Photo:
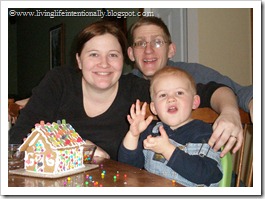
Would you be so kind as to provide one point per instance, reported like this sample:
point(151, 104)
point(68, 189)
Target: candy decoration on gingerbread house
point(53, 148)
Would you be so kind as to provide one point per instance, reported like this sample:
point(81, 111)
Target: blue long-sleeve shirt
point(200, 170)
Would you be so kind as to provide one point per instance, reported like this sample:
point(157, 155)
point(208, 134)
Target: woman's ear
point(78, 61)
point(196, 101)
point(152, 108)
point(171, 50)
point(130, 53)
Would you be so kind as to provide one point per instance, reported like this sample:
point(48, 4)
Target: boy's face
point(150, 59)
point(173, 100)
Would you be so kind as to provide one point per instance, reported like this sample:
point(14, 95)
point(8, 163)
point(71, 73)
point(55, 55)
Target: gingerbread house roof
point(58, 135)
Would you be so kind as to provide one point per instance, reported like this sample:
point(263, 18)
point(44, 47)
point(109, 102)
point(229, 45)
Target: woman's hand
point(99, 151)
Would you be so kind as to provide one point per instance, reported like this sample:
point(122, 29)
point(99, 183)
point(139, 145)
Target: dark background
point(29, 50)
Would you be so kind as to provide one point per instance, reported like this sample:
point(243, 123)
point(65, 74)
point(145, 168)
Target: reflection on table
point(116, 174)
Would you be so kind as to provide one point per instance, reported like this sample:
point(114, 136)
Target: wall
point(224, 42)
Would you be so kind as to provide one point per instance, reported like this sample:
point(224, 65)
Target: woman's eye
point(93, 55)
point(113, 55)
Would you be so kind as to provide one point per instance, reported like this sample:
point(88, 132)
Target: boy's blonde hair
point(167, 70)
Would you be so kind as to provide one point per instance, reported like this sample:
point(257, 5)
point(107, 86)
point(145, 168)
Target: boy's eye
point(180, 93)
point(162, 95)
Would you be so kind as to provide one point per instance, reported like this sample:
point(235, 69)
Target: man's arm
point(227, 129)
point(203, 74)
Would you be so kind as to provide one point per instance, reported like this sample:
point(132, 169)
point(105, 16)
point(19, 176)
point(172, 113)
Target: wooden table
point(126, 176)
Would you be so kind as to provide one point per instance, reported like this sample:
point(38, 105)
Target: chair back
point(208, 115)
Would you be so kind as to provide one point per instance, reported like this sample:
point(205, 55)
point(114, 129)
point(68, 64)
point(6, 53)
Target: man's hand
point(227, 131)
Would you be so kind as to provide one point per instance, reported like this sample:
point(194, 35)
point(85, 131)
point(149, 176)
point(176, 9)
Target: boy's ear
point(152, 108)
point(130, 53)
point(196, 101)
point(171, 50)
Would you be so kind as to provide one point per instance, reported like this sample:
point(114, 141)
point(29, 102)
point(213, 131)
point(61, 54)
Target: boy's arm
point(137, 125)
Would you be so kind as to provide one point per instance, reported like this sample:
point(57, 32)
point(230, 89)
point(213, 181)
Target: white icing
point(31, 160)
point(49, 161)
point(34, 139)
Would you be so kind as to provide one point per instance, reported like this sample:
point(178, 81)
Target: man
point(151, 48)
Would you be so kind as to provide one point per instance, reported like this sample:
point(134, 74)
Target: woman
point(94, 98)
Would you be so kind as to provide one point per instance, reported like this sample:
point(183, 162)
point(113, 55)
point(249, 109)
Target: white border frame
point(255, 190)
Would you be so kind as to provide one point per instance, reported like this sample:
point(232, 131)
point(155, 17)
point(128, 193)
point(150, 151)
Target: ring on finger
point(233, 136)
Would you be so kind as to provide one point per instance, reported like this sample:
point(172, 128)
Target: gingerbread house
point(53, 148)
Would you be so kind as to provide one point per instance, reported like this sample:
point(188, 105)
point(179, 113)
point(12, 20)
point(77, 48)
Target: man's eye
point(140, 43)
point(158, 42)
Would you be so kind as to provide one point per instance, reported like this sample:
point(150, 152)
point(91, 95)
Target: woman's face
point(101, 61)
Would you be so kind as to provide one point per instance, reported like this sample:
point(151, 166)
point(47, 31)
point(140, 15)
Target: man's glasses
point(154, 43)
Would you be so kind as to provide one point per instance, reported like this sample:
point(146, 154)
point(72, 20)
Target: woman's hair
point(168, 70)
point(100, 28)
point(150, 21)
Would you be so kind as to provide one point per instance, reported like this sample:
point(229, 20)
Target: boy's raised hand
point(137, 118)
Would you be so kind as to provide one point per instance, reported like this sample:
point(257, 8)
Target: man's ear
point(196, 101)
point(152, 108)
point(78, 61)
point(130, 53)
point(171, 50)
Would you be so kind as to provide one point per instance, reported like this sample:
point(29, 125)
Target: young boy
point(180, 152)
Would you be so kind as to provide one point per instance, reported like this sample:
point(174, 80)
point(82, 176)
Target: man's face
point(149, 59)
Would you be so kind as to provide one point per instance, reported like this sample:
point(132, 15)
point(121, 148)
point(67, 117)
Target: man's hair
point(168, 70)
point(150, 21)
